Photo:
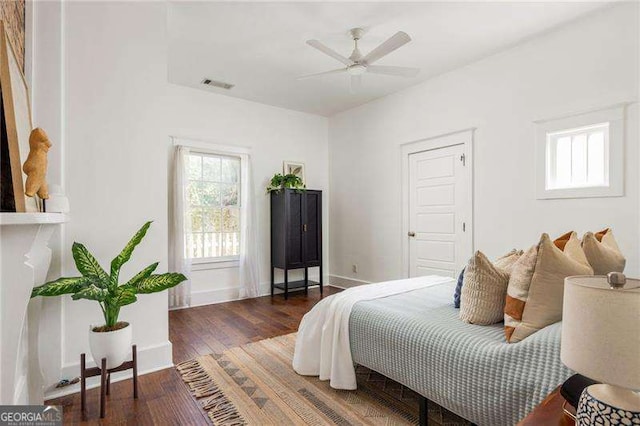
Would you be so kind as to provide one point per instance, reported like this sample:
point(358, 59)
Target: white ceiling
point(260, 47)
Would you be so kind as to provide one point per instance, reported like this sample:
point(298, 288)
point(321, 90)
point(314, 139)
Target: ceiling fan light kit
point(357, 65)
point(356, 69)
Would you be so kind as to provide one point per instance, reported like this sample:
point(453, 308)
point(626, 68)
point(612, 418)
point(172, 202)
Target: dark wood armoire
point(296, 236)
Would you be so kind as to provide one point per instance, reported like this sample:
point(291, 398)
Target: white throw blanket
point(322, 345)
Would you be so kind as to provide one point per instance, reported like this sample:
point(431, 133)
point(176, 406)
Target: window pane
point(194, 166)
point(212, 245)
point(596, 159)
point(196, 219)
point(194, 245)
point(231, 244)
point(212, 206)
point(194, 193)
point(563, 162)
point(210, 194)
point(229, 195)
point(231, 220)
point(579, 159)
point(212, 220)
point(230, 170)
point(211, 168)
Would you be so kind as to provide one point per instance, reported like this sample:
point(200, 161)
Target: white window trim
point(615, 116)
point(222, 262)
point(212, 148)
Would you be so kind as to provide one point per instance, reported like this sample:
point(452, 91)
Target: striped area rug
point(255, 385)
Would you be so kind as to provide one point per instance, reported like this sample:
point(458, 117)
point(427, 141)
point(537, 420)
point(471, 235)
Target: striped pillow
point(536, 285)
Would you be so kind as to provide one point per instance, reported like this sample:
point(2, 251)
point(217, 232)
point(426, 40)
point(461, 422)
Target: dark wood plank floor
point(164, 399)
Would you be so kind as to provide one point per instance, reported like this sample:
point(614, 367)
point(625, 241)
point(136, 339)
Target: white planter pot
point(113, 345)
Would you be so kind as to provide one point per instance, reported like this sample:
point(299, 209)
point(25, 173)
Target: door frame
point(464, 137)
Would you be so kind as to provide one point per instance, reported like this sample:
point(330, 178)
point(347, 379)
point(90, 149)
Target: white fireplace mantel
point(24, 261)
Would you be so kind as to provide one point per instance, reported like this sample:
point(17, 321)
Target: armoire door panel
point(311, 235)
point(294, 228)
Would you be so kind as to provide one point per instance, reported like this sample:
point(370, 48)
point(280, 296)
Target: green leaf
point(125, 295)
point(126, 253)
point(156, 283)
point(88, 265)
point(92, 293)
point(65, 285)
point(145, 273)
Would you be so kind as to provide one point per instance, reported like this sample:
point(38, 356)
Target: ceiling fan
point(357, 64)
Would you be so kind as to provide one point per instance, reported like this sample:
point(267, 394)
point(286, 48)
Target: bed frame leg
point(424, 414)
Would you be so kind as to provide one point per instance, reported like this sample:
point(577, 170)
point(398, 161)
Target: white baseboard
point(345, 282)
point(150, 359)
point(210, 297)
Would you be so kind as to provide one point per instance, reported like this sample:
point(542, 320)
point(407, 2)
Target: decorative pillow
point(508, 261)
point(536, 286)
point(484, 288)
point(456, 294)
point(505, 262)
point(562, 240)
point(603, 253)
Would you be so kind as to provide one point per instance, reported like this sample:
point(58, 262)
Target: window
point(578, 158)
point(213, 203)
point(581, 156)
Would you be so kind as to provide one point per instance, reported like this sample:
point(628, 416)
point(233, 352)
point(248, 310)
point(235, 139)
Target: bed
point(417, 339)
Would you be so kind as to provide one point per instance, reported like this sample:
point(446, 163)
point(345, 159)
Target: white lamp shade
point(601, 330)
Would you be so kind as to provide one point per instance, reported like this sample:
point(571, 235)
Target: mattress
point(417, 339)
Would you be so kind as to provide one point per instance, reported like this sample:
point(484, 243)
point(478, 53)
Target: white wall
point(587, 64)
point(118, 112)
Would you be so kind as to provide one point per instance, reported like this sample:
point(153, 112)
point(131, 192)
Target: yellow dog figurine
point(36, 165)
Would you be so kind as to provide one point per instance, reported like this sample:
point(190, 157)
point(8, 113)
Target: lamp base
point(608, 405)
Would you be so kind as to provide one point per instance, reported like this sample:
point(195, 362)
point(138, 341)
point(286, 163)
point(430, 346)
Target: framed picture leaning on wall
point(15, 128)
point(294, 168)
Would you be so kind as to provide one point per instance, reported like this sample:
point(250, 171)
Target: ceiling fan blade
point(318, 74)
point(397, 40)
point(397, 71)
point(356, 83)
point(328, 51)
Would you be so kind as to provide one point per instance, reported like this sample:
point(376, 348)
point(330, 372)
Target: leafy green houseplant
point(279, 182)
point(98, 285)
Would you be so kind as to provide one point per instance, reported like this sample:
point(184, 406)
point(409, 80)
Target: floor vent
point(215, 83)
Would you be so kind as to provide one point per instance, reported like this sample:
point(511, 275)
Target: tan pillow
point(536, 286)
point(507, 261)
point(603, 253)
point(485, 287)
point(562, 240)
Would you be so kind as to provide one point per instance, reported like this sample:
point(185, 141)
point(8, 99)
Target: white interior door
point(439, 241)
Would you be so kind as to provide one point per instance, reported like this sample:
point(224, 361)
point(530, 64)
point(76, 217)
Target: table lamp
point(601, 340)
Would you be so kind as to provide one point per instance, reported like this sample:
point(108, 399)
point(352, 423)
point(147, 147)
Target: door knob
point(411, 234)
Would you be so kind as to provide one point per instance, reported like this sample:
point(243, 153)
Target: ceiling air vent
point(215, 83)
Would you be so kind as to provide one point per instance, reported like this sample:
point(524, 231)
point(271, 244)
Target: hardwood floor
point(164, 399)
